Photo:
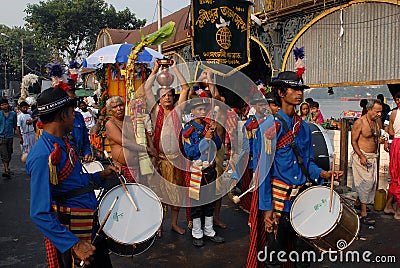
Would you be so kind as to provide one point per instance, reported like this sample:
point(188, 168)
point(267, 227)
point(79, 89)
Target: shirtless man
point(365, 138)
point(129, 150)
point(166, 120)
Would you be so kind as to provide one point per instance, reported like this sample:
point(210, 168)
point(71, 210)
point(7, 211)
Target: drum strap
point(75, 192)
point(296, 151)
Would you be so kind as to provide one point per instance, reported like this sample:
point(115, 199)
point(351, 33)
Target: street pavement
point(21, 243)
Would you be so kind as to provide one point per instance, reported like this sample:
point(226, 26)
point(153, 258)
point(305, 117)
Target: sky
point(12, 12)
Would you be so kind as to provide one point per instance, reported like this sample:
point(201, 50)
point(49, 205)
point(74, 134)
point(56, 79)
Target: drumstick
point(332, 179)
point(122, 182)
point(102, 224)
point(236, 199)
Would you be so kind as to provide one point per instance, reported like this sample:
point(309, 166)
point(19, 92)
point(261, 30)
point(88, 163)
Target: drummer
point(58, 184)
point(269, 209)
point(250, 127)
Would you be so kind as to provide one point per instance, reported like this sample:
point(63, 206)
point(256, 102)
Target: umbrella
point(119, 54)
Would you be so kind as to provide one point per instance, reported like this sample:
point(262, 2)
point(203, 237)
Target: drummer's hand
point(83, 250)
point(109, 172)
point(88, 158)
point(269, 218)
point(328, 174)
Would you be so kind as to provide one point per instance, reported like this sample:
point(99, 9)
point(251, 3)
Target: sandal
point(367, 221)
point(5, 174)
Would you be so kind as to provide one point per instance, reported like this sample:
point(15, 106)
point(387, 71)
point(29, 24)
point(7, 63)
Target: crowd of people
point(275, 136)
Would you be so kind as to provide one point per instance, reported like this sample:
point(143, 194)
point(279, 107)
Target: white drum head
point(310, 216)
point(126, 225)
point(92, 167)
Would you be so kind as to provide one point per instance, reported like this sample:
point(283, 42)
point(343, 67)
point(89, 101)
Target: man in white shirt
point(26, 131)
point(89, 114)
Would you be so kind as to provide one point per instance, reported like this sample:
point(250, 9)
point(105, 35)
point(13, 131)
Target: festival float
point(120, 70)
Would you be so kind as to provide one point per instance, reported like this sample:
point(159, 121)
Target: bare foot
point(178, 229)
point(389, 211)
point(397, 216)
point(220, 224)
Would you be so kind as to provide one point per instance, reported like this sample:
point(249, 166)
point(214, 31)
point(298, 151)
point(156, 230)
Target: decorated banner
point(221, 32)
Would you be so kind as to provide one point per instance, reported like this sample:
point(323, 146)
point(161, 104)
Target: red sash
point(288, 137)
point(69, 166)
point(254, 124)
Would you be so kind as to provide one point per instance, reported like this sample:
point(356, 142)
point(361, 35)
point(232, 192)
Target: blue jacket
point(285, 167)
point(247, 157)
point(197, 147)
point(81, 136)
point(42, 191)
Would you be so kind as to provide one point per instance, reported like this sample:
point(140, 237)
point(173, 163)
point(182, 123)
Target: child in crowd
point(304, 111)
point(316, 115)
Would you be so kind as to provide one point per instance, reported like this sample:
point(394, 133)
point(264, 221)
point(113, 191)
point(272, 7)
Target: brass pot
point(164, 78)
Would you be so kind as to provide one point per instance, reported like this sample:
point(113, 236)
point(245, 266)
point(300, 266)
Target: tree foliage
point(35, 57)
point(70, 27)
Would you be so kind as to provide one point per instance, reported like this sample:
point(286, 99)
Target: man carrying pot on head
point(166, 118)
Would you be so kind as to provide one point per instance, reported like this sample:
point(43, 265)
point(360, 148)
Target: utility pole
point(22, 58)
point(5, 74)
point(159, 21)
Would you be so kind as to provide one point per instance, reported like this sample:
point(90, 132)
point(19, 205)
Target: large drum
point(326, 230)
point(131, 232)
point(322, 147)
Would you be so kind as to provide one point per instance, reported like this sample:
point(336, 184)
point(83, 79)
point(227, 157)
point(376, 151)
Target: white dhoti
point(365, 178)
point(29, 140)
